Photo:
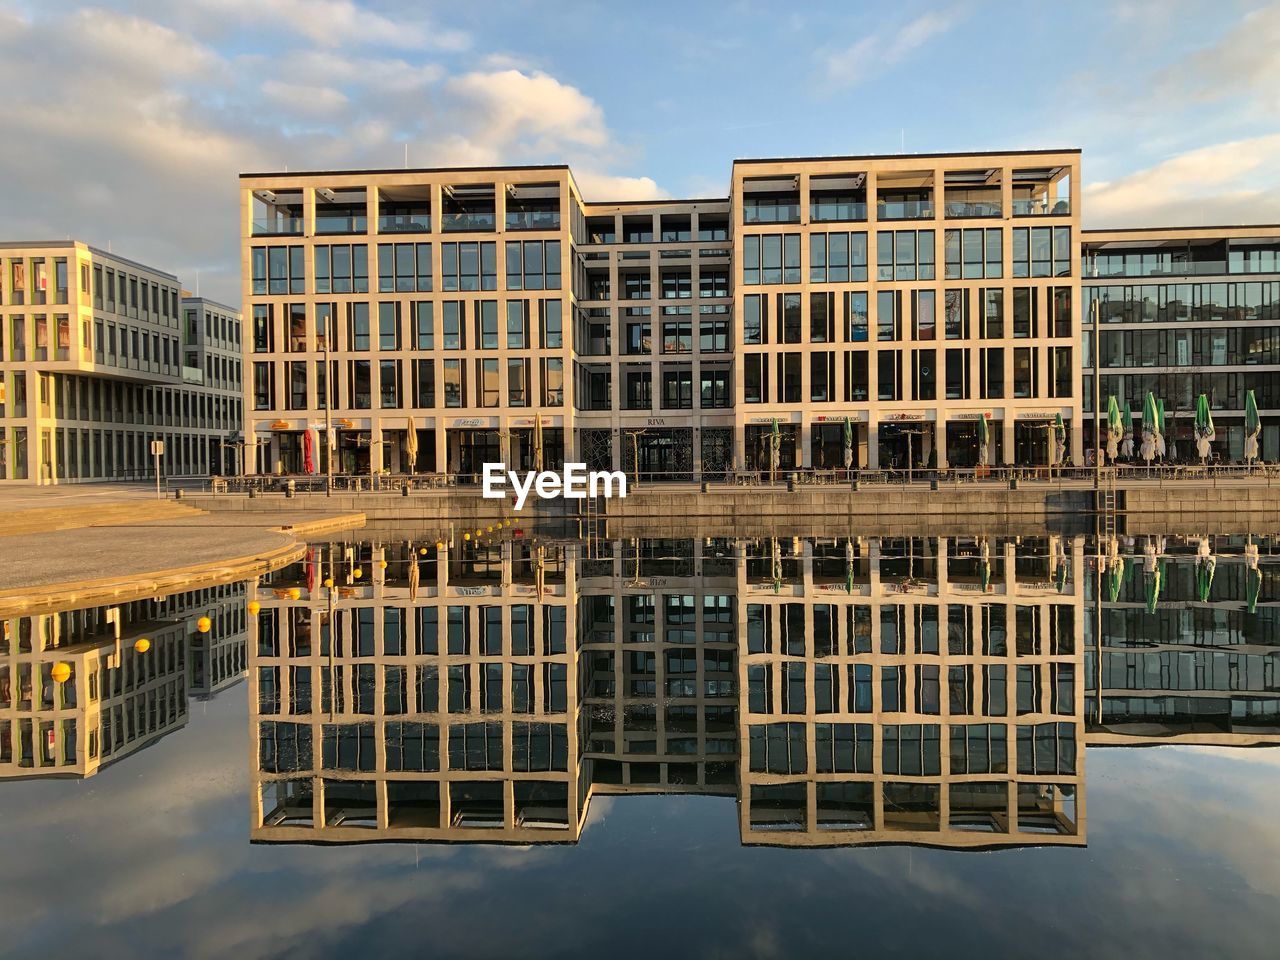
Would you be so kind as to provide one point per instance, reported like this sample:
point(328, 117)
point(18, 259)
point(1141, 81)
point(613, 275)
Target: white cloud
point(334, 23)
point(1233, 182)
point(603, 186)
point(884, 48)
point(1243, 63)
point(305, 98)
point(528, 106)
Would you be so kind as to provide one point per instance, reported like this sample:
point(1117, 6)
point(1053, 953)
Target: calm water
point(706, 747)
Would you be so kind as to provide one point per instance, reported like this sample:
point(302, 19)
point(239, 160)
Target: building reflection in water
point(119, 695)
point(925, 690)
point(1190, 642)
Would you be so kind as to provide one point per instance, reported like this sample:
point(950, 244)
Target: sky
point(126, 122)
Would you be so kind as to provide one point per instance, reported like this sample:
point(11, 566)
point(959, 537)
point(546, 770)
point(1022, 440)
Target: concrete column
point(872, 461)
point(804, 437)
point(940, 441)
point(442, 451)
point(1007, 436)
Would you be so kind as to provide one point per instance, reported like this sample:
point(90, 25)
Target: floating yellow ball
point(61, 672)
point(382, 564)
point(479, 532)
point(439, 546)
point(294, 593)
point(204, 624)
point(142, 645)
point(466, 536)
point(328, 582)
point(254, 607)
point(358, 572)
point(422, 551)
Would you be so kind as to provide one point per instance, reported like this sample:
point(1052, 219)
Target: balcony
point(404, 223)
point(533, 219)
point(278, 226)
point(339, 223)
point(918, 209)
point(404, 209)
point(1042, 192)
point(837, 210)
point(479, 222)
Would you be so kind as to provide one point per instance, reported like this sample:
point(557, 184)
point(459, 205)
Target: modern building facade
point(93, 366)
point(910, 295)
point(1181, 312)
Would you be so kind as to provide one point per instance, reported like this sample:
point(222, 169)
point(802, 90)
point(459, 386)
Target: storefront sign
point(986, 415)
point(1037, 415)
point(902, 417)
point(473, 422)
point(280, 425)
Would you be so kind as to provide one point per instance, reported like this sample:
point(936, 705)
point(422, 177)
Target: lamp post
point(1097, 392)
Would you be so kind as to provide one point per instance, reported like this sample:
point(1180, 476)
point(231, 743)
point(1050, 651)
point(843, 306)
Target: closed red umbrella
point(308, 452)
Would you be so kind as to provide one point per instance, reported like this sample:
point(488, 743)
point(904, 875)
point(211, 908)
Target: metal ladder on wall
point(590, 526)
point(1108, 507)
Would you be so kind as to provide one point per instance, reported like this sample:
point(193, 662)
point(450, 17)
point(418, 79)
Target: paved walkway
point(91, 545)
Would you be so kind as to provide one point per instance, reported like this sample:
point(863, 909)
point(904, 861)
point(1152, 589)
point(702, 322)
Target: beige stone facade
point(94, 365)
point(910, 295)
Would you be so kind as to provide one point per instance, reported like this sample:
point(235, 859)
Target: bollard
point(1013, 483)
point(404, 491)
point(177, 494)
point(791, 484)
point(290, 488)
point(933, 484)
point(704, 486)
point(853, 484)
point(253, 493)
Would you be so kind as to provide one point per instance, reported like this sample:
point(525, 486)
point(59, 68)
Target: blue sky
point(127, 120)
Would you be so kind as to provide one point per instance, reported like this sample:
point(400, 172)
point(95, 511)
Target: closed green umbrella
point(1119, 567)
point(1126, 443)
point(1059, 437)
point(1203, 427)
point(1150, 427)
point(1154, 583)
point(1160, 426)
point(1252, 587)
point(984, 440)
point(848, 443)
point(1252, 427)
point(984, 568)
point(775, 448)
point(848, 566)
point(1115, 428)
point(1060, 580)
point(1204, 577)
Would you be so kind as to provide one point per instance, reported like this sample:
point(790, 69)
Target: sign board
point(157, 448)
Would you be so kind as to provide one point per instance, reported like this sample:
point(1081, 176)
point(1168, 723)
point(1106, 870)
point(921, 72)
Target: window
point(358, 326)
point(469, 266)
point(857, 318)
point(789, 323)
point(533, 265)
point(1025, 318)
point(553, 381)
point(992, 314)
point(715, 388)
point(551, 324)
point(771, 258)
point(838, 257)
point(404, 267)
point(677, 284)
point(905, 255)
point(342, 268)
point(423, 325)
point(453, 325)
point(924, 314)
point(974, 254)
point(755, 318)
point(713, 282)
point(487, 324)
point(888, 305)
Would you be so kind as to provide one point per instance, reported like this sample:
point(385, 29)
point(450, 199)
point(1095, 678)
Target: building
point(1185, 311)
point(469, 304)
point(212, 344)
point(94, 365)
point(842, 690)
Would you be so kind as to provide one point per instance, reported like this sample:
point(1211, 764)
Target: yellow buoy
point(439, 545)
point(294, 593)
point(142, 645)
point(489, 529)
point(382, 564)
point(358, 572)
point(479, 531)
point(466, 536)
point(204, 624)
point(328, 582)
point(254, 607)
point(422, 551)
point(61, 672)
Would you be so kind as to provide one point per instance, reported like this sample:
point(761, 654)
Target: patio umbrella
point(776, 564)
point(1160, 441)
point(1060, 580)
point(309, 444)
point(537, 442)
point(1115, 428)
point(984, 566)
point(984, 440)
point(848, 443)
point(1129, 424)
point(415, 575)
point(1252, 575)
point(1059, 437)
point(1203, 427)
point(1252, 427)
point(775, 446)
point(411, 446)
point(1206, 564)
point(1119, 567)
point(848, 566)
point(1154, 582)
point(1150, 427)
